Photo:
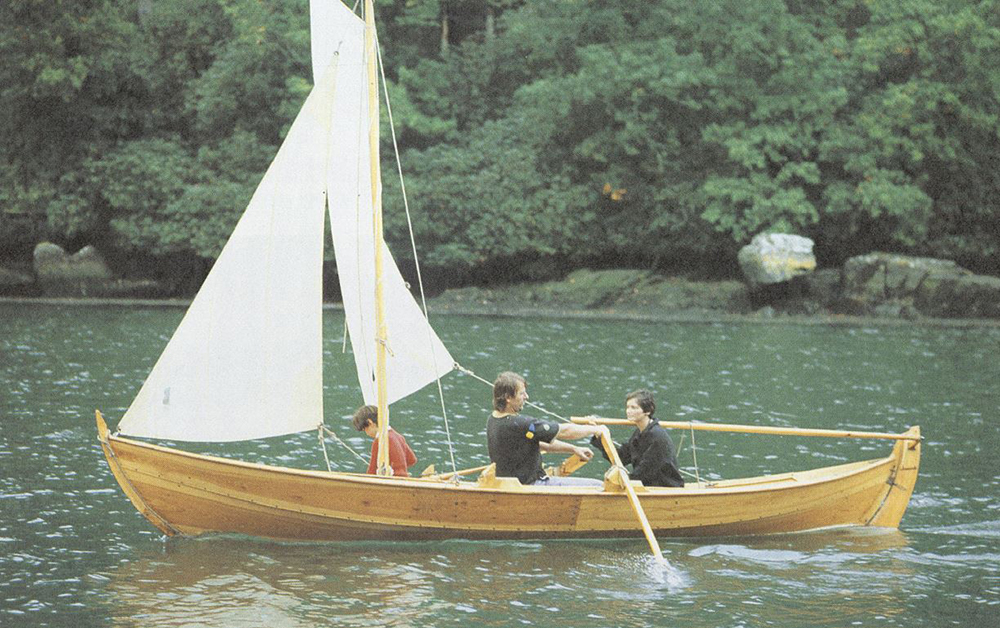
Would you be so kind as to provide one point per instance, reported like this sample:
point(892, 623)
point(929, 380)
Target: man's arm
point(572, 431)
point(558, 446)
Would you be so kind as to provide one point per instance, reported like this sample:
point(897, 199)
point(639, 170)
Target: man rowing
point(516, 441)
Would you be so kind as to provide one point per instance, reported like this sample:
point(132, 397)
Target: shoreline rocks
point(886, 284)
point(773, 258)
point(878, 285)
point(82, 274)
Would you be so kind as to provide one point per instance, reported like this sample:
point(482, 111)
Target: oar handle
point(752, 429)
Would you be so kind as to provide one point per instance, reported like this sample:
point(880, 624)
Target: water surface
point(74, 551)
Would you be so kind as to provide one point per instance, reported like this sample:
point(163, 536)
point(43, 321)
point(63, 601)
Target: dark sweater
point(651, 454)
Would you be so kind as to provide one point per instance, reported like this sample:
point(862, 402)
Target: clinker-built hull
point(189, 494)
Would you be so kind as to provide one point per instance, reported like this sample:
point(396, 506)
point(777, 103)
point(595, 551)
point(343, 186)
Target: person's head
point(639, 403)
point(509, 392)
point(365, 420)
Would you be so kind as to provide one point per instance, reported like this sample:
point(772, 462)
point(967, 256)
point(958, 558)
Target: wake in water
point(982, 529)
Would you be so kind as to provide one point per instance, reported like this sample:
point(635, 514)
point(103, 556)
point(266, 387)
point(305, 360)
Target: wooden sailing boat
point(246, 363)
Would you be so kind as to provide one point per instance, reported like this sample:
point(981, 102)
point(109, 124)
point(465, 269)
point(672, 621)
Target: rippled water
point(73, 551)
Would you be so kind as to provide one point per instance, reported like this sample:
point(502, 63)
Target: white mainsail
point(246, 360)
point(416, 355)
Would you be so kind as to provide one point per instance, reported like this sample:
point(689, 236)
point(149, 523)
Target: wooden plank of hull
point(199, 494)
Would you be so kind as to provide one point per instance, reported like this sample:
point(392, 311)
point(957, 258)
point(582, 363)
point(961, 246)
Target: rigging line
point(416, 261)
point(346, 446)
point(322, 443)
point(694, 454)
point(680, 448)
point(462, 369)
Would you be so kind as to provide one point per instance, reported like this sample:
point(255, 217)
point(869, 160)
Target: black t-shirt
point(513, 444)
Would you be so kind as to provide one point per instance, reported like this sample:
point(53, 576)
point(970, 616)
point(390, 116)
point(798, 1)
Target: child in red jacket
point(401, 457)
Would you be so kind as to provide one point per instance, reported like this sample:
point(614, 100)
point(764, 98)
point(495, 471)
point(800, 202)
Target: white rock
point(776, 257)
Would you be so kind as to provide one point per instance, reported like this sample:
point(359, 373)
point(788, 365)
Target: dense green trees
point(536, 135)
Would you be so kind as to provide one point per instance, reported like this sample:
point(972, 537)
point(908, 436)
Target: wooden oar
point(623, 481)
point(568, 466)
point(449, 475)
point(751, 429)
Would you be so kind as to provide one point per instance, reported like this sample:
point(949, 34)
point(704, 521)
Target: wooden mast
point(371, 58)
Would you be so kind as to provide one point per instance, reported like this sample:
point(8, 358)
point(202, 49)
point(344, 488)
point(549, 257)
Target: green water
point(73, 551)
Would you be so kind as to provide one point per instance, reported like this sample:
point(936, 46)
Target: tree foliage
point(553, 132)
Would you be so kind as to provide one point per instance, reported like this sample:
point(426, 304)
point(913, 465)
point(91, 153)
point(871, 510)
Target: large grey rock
point(84, 274)
point(882, 283)
point(878, 277)
point(964, 296)
point(772, 258)
point(52, 264)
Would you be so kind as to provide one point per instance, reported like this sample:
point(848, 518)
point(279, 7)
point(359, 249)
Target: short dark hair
point(645, 400)
point(504, 388)
point(363, 416)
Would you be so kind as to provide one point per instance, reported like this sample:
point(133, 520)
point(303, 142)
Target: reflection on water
point(225, 581)
point(73, 551)
point(392, 584)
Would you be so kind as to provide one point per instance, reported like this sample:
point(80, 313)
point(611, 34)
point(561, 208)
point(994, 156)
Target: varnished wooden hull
point(189, 494)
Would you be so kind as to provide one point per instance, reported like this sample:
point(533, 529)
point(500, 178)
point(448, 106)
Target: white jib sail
point(416, 355)
point(246, 360)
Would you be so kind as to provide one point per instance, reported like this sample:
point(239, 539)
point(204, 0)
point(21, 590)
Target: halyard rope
point(694, 454)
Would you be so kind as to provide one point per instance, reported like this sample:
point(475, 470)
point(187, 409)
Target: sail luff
point(383, 467)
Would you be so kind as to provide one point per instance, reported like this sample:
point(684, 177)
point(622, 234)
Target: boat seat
point(488, 479)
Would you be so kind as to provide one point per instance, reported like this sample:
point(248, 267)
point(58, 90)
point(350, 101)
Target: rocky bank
point(880, 285)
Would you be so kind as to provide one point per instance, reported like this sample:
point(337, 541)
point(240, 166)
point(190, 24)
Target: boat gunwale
point(752, 484)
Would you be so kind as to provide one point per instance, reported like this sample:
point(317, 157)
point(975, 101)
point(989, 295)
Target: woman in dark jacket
point(649, 449)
